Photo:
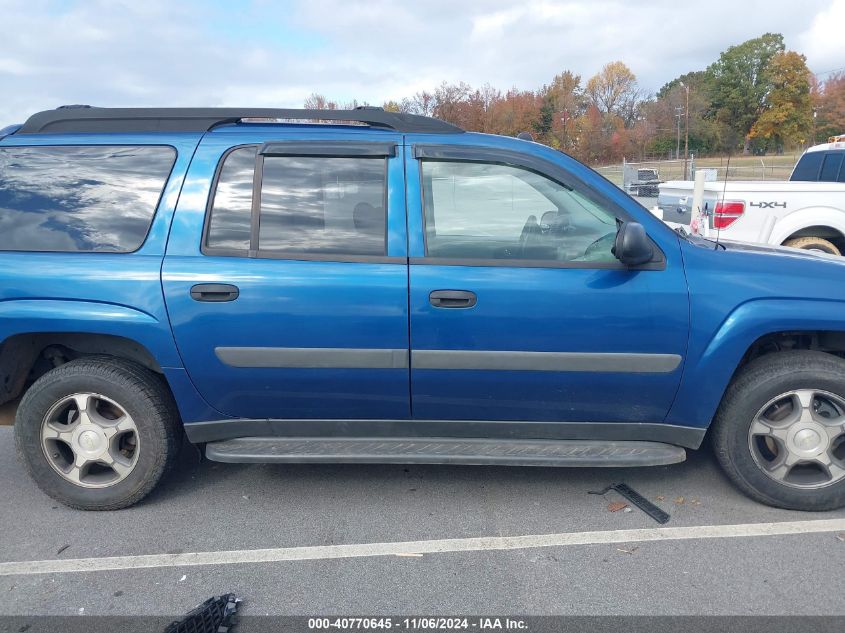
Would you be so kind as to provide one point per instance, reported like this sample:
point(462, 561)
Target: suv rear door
point(293, 303)
point(519, 311)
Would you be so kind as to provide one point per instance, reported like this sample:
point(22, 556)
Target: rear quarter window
point(808, 167)
point(80, 198)
point(830, 166)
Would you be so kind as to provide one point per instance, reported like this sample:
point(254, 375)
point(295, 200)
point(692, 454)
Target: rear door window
point(309, 206)
point(80, 198)
point(323, 205)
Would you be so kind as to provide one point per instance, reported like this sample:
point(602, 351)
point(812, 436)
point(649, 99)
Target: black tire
point(140, 392)
point(755, 385)
point(813, 244)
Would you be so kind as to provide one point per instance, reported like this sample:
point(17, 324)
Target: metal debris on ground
point(637, 499)
point(215, 615)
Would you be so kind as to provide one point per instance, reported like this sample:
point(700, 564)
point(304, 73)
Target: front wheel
point(779, 433)
point(97, 433)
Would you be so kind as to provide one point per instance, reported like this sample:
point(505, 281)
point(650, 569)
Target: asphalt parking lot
point(786, 563)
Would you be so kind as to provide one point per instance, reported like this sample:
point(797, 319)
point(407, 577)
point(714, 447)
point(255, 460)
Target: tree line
point(757, 97)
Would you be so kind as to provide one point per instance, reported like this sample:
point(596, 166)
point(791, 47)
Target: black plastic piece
point(9, 130)
point(637, 499)
point(213, 430)
point(215, 615)
point(632, 246)
point(328, 148)
point(452, 298)
point(525, 136)
point(214, 292)
point(93, 120)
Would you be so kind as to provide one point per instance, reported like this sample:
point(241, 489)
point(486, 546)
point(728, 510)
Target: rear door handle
point(214, 292)
point(452, 298)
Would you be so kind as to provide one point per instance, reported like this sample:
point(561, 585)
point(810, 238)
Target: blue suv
point(367, 286)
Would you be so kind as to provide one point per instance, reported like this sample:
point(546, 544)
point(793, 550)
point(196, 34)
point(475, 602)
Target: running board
point(443, 451)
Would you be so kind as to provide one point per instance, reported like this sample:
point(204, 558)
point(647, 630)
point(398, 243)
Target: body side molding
point(545, 361)
point(313, 357)
point(349, 358)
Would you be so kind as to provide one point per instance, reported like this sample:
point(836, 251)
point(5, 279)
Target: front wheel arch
point(762, 381)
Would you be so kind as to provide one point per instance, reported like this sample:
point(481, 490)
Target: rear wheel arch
point(25, 357)
point(818, 237)
point(825, 222)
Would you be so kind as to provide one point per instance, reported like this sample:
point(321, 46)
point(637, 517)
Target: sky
point(277, 53)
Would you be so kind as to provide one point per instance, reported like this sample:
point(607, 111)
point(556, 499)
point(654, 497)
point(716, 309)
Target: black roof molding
point(86, 119)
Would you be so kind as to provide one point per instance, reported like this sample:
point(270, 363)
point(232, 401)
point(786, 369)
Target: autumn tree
point(829, 105)
point(738, 84)
point(659, 126)
point(787, 117)
point(517, 111)
point(614, 91)
point(563, 103)
point(451, 103)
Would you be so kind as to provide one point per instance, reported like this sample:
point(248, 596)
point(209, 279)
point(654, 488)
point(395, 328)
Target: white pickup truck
point(807, 211)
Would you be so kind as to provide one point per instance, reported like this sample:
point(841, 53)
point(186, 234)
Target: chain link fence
point(641, 179)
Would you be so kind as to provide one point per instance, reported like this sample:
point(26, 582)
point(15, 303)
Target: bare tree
point(319, 102)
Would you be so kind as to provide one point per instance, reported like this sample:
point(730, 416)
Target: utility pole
point(679, 111)
point(564, 118)
point(686, 133)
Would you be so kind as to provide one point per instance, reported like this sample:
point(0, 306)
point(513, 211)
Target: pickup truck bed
point(763, 212)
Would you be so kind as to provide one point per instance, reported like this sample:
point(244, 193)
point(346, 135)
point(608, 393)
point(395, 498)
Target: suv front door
point(519, 310)
point(294, 302)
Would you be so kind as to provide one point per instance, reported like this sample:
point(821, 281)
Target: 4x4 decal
point(769, 205)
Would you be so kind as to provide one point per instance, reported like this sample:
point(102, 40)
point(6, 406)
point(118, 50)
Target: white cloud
point(824, 42)
point(159, 52)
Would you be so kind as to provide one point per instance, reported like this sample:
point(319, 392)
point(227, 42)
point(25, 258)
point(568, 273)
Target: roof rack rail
point(90, 119)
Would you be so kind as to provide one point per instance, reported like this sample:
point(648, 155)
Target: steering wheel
point(531, 233)
point(531, 227)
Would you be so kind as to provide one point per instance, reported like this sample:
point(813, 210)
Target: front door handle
point(214, 292)
point(452, 298)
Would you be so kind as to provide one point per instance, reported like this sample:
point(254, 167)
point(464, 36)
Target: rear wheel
point(779, 433)
point(97, 433)
point(817, 244)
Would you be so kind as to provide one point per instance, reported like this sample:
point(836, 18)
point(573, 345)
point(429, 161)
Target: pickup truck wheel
point(97, 433)
point(818, 244)
point(779, 433)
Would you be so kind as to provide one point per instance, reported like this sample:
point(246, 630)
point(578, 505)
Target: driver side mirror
point(632, 246)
